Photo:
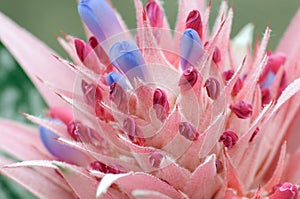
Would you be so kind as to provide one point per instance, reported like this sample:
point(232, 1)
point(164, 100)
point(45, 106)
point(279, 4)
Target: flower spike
point(127, 58)
point(100, 18)
point(190, 48)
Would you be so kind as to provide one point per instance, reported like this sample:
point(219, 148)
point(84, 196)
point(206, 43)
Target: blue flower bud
point(268, 81)
point(114, 77)
point(99, 18)
point(127, 58)
point(57, 149)
point(190, 48)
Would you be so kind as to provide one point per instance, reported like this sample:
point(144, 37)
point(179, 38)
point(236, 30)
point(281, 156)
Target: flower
point(156, 115)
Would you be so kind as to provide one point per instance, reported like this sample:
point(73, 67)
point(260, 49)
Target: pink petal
point(174, 174)
point(128, 164)
point(260, 61)
point(21, 141)
point(145, 194)
point(232, 176)
point(292, 172)
point(36, 59)
point(79, 180)
point(290, 40)
point(167, 132)
point(137, 181)
point(277, 174)
point(212, 135)
point(36, 182)
point(204, 182)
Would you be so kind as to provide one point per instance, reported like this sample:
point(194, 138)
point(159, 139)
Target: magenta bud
point(98, 166)
point(237, 87)
point(133, 132)
point(187, 130)
point(227, 75)
point(265, 96)
point(229, 138)
point(155, 14)
point(119, 97)
point(188, 79)
point(212, 86)
point(115, 169)
point(194, 21)
point(285, 190)
point(93, 42)
point(82, 49)
point(242, 109)
point(155, 159)
point(275, 61)
point(161, 104)
point(217, 55)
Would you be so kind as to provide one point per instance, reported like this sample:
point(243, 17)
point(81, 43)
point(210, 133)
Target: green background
point(45, 19)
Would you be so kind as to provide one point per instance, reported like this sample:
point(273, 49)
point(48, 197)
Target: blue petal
point(59, 150)
point(268, 81)
point(127, 58)
point(190, 48)
point(99, 18)
point(113, 77)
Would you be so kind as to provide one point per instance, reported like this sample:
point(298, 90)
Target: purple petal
point(100, 18)
point(57, 149)
point(127, 58)
point(190, 48)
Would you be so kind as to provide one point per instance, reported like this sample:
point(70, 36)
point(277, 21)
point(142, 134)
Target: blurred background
point(45, 19)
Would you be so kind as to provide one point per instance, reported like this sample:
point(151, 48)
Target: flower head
point(152, 115)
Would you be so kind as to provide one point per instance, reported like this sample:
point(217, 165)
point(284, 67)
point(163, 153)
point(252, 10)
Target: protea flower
point(151, 114)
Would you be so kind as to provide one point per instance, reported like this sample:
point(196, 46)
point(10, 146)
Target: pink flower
point(156, 115)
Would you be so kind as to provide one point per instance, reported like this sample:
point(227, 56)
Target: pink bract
point(226, 127)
